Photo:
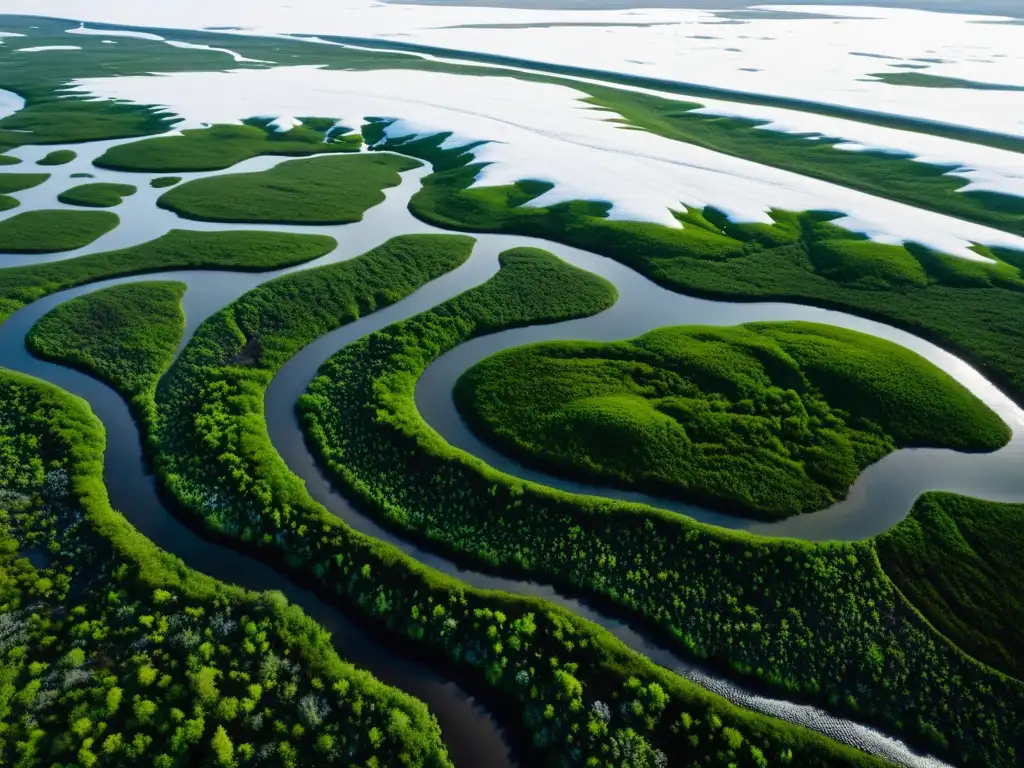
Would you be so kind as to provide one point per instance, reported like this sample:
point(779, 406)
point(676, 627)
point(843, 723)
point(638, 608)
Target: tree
point(222, 747)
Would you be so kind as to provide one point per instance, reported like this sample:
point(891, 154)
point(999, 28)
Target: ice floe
point(545, 132)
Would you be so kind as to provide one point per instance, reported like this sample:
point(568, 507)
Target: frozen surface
point(9, 103)
point(542, 131)
point(986, 168)
point(83, 30)
point(41, 48)
point(196, 47)
point(284, 123)
point(766, 53)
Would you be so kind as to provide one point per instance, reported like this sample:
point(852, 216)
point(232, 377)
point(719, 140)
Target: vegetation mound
point(99, 195)
point(768, 419)
point(16, 182)
point(58, 157)
point(178, 249)
point(125, 335)
point(164, 181)
point(318, 190)
point(958, 561)
point(53, 231)
point(221, 146)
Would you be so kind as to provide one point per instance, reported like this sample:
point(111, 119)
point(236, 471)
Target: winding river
point(881, 497)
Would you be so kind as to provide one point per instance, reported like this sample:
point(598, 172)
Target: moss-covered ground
point(766, 419)
point(99, 195)
point(958, 561)
point(318, 190)
point(125, 335)
point(54, 231)
point(178, 249)
point(221, 146)
point(58, 157)
point(163, 182)
point(114, 653)
point(16, 182)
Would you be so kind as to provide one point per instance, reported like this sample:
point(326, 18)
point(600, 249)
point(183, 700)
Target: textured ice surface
point(767, 55)
point(545, 132)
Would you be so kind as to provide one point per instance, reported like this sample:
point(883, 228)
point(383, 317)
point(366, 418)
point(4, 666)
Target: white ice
point(284, 123)
point(986, 168)
point(196, 47)
point(41, 48)
point(545, 132)
point(764, 56)
point(9, 103)
point(83, 30)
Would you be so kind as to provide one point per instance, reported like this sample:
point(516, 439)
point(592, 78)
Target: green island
point(8, 160)
point(178, 249)
point(58, 157)
point(924, 80)
point(957, 559)
point(819, 622)
point(81, 175)
point(565, 674)
point(969, 307)
point(222, 146)
point(54, 231)
point(162, 182)
point(318, 190)
point(114, 653)
point(125, 336)
point(99, 195)
point(768, 419)
point(16, 182)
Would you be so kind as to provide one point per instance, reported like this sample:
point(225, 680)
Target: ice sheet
point(761, 55)
point(545, 132)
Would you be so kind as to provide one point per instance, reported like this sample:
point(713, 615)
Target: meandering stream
point(882, 496)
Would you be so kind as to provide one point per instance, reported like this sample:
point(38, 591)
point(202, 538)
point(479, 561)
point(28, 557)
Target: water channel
point(882, 496)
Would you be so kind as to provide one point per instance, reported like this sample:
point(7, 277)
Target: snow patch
point(283, 124)
point(544, 132)
point(196, 47)
point(41, 48)
point(10, 103)
point(83, 30)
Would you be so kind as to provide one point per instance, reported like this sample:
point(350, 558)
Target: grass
point(320, 190)
point(924, 80)
point(968, 307)
point(554, 670)
point(878, 173)
point(958, 560)
point(7, 203)
point(819, 623)
point(164, 181)
point(58, 157)
point(178, 249)
point(116, 652)
point(99, 195)
point(54, 231)
point(16, 182)
point(125, 336)
point(766, 419)
point(221, 146)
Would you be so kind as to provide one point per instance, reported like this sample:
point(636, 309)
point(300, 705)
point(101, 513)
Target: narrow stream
point(472, 735)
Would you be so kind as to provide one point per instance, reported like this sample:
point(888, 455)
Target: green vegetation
point(319, 190)
point(221, 146)
point(164, 181)
point(8, 160)
point(99, 195)
point(16, 182)
point(768, 419)
point(81, 176)
point(114, 653)
point(125, 336)
point(877, 173)
point(958, 561)
point(58, 157)
point(178, 249)
point(971, 308)
point(53, 231)
point(818, 622)
point(924, 80)
point(567, 677)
